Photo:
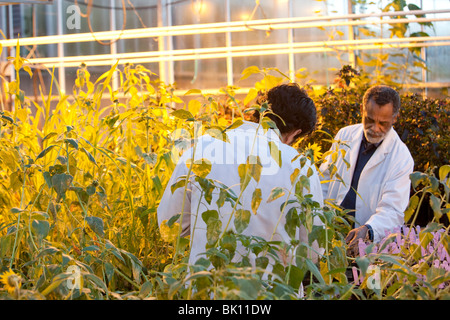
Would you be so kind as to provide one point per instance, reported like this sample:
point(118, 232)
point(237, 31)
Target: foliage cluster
point(422, 124)
point(80, 186)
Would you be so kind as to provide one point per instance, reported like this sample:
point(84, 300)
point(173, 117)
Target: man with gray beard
point(371, 174)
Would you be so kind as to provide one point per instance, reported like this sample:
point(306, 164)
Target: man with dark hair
point(249, 164)
point(288, 118)
point(371, 177)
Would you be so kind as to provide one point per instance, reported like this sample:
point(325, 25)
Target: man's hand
point(353, 237)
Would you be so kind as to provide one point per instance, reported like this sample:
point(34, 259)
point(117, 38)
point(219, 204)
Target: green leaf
point(268, 123)
point(72, 142)
point(40, 228)
point(302, 183)
point(413, 7)
point(173, 219)
point(314, 270)
point(90, 156)
point(435, 204)
point(16, 210)
point(292, 222)
point(91, 248)
point(48, 251)
point(241, 220)
point(363, 264)
point(96, 224)
point(228, 242)
point(256, 200)
point(262, 262)
point(296, 276)
point(210, 215)
point(275, 193)
point(417, 178)
point(90, 190)
point(432, 227)
point(96, 280)
point(57, 280)
point(61, 183)
point(207, 188)
point(45, 151)
point(8, 119)
point(213, 230)
point(145, 290)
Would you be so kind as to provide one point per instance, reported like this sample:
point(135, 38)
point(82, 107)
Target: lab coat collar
point(247, 126)
point(379, 155)
point(381, 152)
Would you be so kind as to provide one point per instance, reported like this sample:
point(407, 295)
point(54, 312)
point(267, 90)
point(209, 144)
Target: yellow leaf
point(169, 234)
point(176, 99)
point(249, 71)
point(193, 91)
point(194, 106)
point(252, 94)
point(256, 200)
point(28, 69)
point(268, 82)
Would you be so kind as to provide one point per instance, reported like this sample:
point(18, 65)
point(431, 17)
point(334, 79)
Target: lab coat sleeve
point(171, 203)
point(394, 200)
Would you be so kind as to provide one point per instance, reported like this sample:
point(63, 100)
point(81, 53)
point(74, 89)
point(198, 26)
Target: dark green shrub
point(423, 124)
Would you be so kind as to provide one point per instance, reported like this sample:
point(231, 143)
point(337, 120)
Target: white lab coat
point(384, 185)
point(225, 158)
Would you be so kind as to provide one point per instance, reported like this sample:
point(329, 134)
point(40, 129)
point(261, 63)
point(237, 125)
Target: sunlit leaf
point(444, 171)
point(182, 114)
point(256, 200)
point(249, 71)
point(200, 167)
point(413, 203)
point(275, 153)
point(275, 193)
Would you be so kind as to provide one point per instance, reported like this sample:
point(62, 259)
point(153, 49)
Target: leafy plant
point(81, 181)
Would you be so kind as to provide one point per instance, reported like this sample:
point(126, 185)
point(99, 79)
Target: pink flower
point(355, 275)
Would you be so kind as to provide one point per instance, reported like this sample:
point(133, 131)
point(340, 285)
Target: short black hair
point(382, 95)
point(292, 104)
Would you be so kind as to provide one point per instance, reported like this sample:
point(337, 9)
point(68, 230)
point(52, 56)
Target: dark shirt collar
point(367, 145)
